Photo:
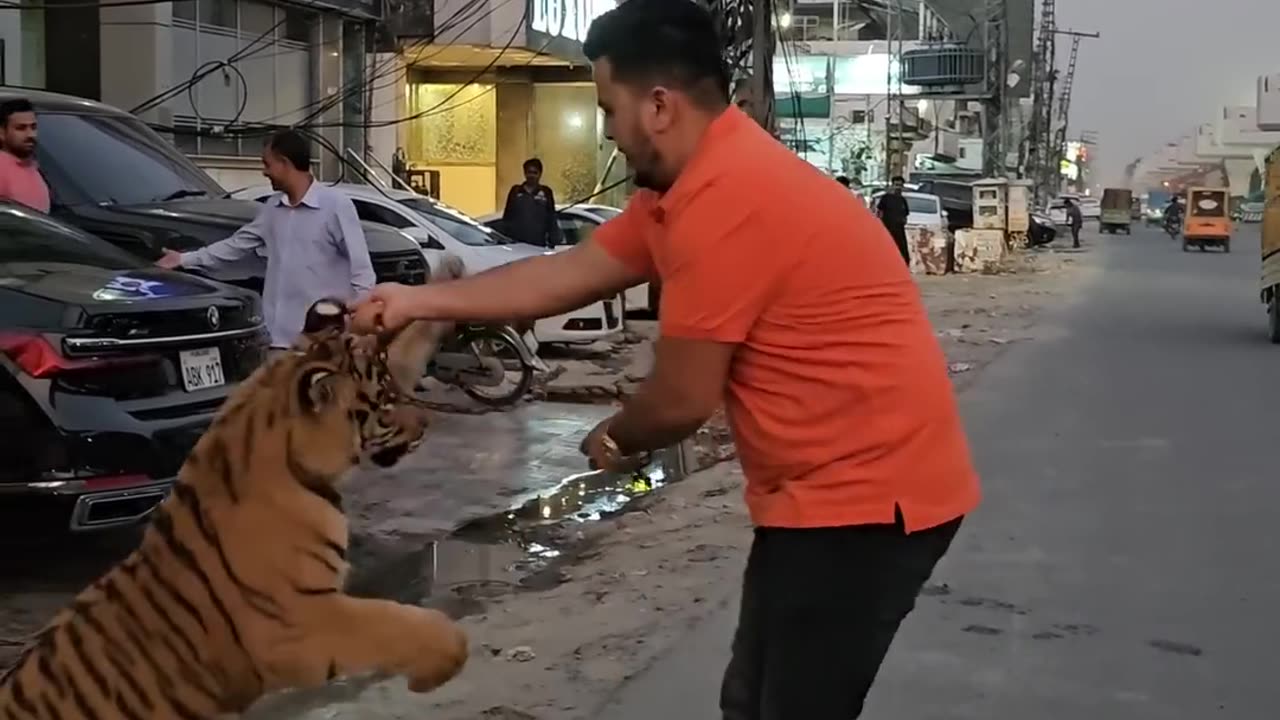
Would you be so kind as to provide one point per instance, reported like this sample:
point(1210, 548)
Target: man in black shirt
point(530, 214)
point(893, 211)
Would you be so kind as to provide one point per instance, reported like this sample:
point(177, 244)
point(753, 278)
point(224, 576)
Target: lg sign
point(567, 18)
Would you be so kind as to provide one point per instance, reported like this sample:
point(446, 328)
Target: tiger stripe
point(236, 587)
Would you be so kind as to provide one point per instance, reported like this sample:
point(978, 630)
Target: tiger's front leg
point(348, 636)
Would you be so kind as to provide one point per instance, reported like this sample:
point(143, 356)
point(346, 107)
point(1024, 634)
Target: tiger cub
point(236, 588)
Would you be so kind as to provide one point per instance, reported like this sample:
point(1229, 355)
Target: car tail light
point(39, 359)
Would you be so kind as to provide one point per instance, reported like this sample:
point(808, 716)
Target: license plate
point(201, 369)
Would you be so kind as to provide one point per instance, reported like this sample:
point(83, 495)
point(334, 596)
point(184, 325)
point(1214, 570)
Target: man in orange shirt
point(786, 302)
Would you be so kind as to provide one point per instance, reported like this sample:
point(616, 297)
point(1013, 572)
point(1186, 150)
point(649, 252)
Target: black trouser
point(899, 233)
point(1075, 235)
point(820, 608)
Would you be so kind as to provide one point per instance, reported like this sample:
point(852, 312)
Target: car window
point(458, 226)
point(106, 159)
point(374, 212)
point(575, 229)
point(27, 237)
point(922, 206)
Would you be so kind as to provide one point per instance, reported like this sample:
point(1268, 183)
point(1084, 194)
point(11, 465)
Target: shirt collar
point(701, 168)
point(311, 198)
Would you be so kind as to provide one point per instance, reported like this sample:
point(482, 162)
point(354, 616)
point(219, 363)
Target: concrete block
point(979, 250)
point(929, 250)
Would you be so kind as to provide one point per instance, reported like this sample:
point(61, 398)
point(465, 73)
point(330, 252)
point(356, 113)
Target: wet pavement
point(502, 480)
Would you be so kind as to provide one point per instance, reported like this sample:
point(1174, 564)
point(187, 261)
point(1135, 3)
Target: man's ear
point(316, 389)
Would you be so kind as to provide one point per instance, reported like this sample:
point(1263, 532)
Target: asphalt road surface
point(1124, 563)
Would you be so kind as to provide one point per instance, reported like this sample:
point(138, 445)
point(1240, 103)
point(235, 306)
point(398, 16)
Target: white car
point(440, 229)
point(924, 210)
point(577, 222)
point(1057, 212)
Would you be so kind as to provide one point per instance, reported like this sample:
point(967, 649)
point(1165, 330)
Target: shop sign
point(568, 19)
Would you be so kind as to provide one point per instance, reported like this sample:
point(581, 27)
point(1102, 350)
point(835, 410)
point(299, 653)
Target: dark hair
point(9, 108)
point(898, 179)
point(534, 163)
point(671, 42)
point(843, 180)
point(292, 146)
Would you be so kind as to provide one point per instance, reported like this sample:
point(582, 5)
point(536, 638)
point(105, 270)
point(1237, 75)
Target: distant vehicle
point(924, 210)
point(1090, 208)
point(577, 223)
point(1057, 212)
point(1117, 209)
point(1207, 219)
point(110, 370)
point(1270, 286)
point(1042, 230)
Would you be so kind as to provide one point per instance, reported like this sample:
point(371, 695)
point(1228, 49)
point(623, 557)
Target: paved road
point(1123, 565)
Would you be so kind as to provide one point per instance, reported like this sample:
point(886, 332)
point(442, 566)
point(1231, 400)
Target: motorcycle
point(1173, 225)
point(491, 364)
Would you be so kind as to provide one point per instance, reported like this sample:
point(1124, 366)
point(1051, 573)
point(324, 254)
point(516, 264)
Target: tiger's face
point(352, 391)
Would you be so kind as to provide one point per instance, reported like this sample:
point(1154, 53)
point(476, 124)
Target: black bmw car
point(110, 369)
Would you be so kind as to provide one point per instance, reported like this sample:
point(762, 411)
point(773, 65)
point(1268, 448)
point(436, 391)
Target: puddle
point(495, 555)
point(584, 497)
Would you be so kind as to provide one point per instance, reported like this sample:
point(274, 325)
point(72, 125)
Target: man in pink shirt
point(20, 179)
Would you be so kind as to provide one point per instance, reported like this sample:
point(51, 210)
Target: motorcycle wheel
point(518, 374)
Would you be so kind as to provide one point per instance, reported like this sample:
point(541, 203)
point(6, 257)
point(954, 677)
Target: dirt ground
point(624, 588)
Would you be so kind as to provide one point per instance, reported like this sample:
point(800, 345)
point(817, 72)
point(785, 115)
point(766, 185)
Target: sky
point(1162, 67)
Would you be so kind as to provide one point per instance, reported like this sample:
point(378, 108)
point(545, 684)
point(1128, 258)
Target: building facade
point(489, 88)
point(259, 63)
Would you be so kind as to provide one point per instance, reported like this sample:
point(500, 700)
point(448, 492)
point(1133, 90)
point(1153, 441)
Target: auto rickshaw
point(1207, 219)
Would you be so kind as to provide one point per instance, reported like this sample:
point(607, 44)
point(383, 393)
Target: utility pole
point(994, 115)
point(762, 62)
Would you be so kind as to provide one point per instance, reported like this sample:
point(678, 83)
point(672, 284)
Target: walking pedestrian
point(1075, 219)
point(893, 212)
point(20, 178)
point(530, 213)
point(784, 303)
point(315, 246)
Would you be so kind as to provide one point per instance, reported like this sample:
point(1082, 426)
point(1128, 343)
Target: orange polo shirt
point(838, 396)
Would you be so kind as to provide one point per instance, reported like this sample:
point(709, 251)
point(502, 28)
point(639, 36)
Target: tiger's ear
point(315, 389)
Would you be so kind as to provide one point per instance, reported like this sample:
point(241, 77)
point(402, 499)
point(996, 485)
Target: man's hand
point(390, 305)
point(170, 260)
point(593, 446)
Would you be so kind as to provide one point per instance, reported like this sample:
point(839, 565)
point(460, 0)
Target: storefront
point(479, 102)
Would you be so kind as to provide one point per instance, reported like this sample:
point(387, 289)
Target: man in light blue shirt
point(314, 244)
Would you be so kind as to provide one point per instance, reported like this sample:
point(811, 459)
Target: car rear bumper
point(75, 505)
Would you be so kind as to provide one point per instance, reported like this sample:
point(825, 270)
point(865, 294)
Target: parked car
point(438, 229)
point(577, 223)
point(1041, 230)
point(111, 175)
point(1057, 212)
point(110, 370)
point(924, 210)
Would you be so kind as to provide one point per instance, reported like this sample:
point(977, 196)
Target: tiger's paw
point(441, 658)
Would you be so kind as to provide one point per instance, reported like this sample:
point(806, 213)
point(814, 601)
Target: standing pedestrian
point(1075, 219)
point(893, 211)
point(782, 302)
point(20, 178)
point(530, 213)
point(315, 246)
point(400, 165)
